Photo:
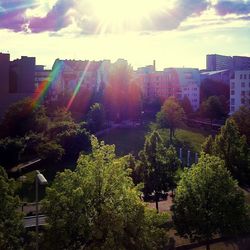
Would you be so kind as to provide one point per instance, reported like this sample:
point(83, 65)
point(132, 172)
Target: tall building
point(41, 75)
point(177, 82)
point(4, 80)
point(219, 62)
point(22, 75)
point(16, 80)
point(4, 73)
point(240, 90)
point(241, 63)
point(188, 82)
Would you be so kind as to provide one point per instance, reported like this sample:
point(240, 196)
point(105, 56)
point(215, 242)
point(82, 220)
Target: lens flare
point(46, 85)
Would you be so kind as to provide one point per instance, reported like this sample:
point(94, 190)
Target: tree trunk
point(207, 246)
point(170, 135)
point(156, 202)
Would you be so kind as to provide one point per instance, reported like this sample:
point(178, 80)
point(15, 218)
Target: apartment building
point(219, 62)
point(239, 90)
point(177, 82)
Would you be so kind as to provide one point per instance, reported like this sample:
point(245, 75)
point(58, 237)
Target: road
point(30, 221)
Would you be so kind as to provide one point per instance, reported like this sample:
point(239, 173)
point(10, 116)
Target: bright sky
point(173, 32)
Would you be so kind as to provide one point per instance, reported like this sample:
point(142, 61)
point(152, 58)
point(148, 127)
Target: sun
point(123, 15)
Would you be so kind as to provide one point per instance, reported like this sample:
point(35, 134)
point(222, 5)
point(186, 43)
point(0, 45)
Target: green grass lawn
point(126, 140)
point(131, 140)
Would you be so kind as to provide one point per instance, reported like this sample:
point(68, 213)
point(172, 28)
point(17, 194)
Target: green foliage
point(186, 105)
point(170, 116)
point(158, 166)
point(207, 146)
point(116, 98)
point(11, 224)
point(210, 87)
point(208, 202)
point(98, 207)
point(212, 108)
point(68, 134)
point(242, 119)
point(50, 151)
point(96, 117)
point(232, 148)
point(22, 118)
point(173, 163)
point(10, 151)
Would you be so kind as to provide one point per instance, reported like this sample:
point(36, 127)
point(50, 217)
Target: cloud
point(65, 13)
point(12, 13)
point(238, 7)
point(57, 18)
point(171, 19)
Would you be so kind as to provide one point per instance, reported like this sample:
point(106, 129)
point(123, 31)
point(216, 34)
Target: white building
point(240, 90)
point(177, 82)
point(188, 80)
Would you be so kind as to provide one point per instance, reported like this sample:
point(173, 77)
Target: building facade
point(177, 82)
point(22, 75)
point(239, 90)
point(241, 63)
point(216, 62)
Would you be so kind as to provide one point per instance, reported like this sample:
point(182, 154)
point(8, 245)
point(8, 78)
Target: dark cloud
point(12, 13)
point(171, 19)
point(238, 7)
point(57, 18)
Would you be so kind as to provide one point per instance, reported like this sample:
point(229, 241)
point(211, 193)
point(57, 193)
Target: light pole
point(40, 179)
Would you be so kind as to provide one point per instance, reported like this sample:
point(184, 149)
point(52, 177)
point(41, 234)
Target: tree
point(96, 117)
point(116, 97)
point(242, 119)
point(173, 164)
point(50, 151)
point(207, 146)
point(22, 117)
point(71, 136)
point(11, 224)
point(158, 166)
point(210, 87)
point(232, 148)
point(101, 200)
point(208, 202)
point(212, 108)
point(170, 116)
point(186, 105)
point(10, 151)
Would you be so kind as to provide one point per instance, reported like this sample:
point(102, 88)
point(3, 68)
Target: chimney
point(154, 64)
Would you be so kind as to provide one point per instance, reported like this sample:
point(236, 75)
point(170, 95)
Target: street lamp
point(42, 181)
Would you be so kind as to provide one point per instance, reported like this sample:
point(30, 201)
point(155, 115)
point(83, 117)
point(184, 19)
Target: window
point(245, 76)
point(249, 76)
point(242, 101)
point(243, 85)
point(240, 76)
point(232, 108)
point(232, 92)
point(243, 93)
point(232, 85)
point(232, 101)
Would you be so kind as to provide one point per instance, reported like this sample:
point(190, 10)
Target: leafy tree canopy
point(96, 117)
point(11, 225)
point(170, 116)
point(230, 146)
point(212, 108)
point(242, 119)
point(22, 117)
point(98, 207)
point(208, 202)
